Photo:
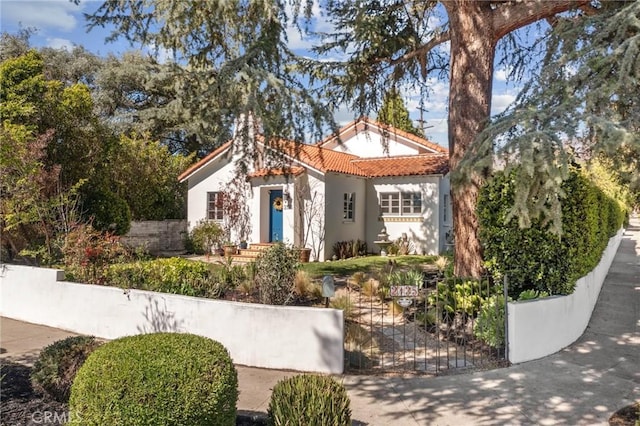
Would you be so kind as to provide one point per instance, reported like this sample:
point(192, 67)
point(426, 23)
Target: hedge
point(534, 258)
point(171, 275)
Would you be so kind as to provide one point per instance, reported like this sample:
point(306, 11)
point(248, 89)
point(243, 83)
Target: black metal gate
point(423, 322)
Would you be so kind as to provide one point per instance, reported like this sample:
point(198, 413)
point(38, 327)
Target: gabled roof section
point(318, 158)
point(411, 165)
point(206, 160)
point(363, 123)
point(326, 160)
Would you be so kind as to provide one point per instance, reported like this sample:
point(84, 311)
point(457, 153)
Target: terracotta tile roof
point(321, 159)
point(363, 122)
point(413, 165)
point(210, 157)
point(292, 171)
point(326, 160)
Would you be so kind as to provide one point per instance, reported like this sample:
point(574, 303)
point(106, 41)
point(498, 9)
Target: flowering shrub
point(88, 254)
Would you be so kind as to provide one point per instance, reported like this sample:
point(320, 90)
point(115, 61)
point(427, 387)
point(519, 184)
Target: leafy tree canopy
point(231, 60)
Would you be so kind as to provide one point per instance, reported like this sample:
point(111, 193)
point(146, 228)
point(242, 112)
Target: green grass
point(366, 264)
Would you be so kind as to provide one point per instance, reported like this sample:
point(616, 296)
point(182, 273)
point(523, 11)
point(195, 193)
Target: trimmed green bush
point(172, 275)
point(156, 379)
point(58, 364)
point(534, 258)
point(309, 400)
point(275, 271)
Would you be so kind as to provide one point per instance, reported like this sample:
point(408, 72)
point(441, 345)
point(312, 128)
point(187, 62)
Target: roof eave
point(193, 169)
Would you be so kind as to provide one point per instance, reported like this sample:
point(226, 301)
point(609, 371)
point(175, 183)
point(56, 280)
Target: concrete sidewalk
point(582, 385)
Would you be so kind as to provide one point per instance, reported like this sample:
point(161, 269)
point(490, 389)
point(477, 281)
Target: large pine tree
point(234, 60)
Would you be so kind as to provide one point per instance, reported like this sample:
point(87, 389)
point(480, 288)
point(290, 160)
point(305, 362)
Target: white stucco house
point(372, 177)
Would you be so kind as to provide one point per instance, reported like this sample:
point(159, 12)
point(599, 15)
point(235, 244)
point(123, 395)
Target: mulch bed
point(626, 416)
point(21, 406)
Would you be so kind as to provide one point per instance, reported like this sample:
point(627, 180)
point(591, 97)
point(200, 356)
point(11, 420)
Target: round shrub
point(58, 364)
point(156, 379)
point(309, 400)
point(205, 236)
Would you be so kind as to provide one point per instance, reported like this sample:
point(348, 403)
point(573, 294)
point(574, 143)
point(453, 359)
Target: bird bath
point(383, 242)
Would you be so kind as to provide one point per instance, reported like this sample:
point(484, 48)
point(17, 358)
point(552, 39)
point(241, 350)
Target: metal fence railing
point(441, 324)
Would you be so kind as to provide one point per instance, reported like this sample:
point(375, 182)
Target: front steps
point(250, 254)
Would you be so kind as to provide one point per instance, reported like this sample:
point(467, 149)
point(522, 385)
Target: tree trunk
point(471, 79)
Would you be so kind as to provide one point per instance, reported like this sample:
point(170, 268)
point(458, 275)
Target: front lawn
point(367, 264)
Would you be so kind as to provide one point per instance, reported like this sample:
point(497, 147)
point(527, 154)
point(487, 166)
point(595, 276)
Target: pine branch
point(437, 40)
point(510, 16)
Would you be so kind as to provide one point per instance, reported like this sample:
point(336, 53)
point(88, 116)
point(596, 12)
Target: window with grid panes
point(214, 206)
point(411, 203)
point(349, 206)
point(400, 203)
point(390, 203)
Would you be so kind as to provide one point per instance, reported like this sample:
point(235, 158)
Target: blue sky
point(61, 24)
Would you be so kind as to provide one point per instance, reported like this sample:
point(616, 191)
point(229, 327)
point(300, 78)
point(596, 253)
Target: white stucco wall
point(339, 229)
point(541, 327)
point(296, 338)
point(368, 144)
point(423, 230)
point(310, 195)
point(210, 178)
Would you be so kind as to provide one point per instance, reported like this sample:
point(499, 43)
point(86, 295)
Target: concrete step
point(260, 246)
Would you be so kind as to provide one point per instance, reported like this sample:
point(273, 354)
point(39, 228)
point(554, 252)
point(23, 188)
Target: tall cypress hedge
point(535, 258)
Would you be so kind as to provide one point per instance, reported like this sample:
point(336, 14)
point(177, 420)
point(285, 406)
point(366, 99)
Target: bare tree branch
point(510, 16)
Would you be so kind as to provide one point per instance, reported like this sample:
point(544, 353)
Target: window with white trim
point(400, 203)
point(214, 206)
point(390, 203)
point(411, 203)
point(349, 206)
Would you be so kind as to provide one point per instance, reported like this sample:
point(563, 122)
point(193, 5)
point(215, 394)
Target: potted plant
point(230, 249)
point(304, 253)
point(243, 244)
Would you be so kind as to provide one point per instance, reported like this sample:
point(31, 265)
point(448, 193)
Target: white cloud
point(436, 102)
point(501, 74)
point(44, 15)
point(499, 102)
point(296, 40)
point(60, 43)
point(437, 130)
point(343, 115)
point(161, 54)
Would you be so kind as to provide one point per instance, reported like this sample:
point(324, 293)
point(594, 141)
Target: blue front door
point(275, 215)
